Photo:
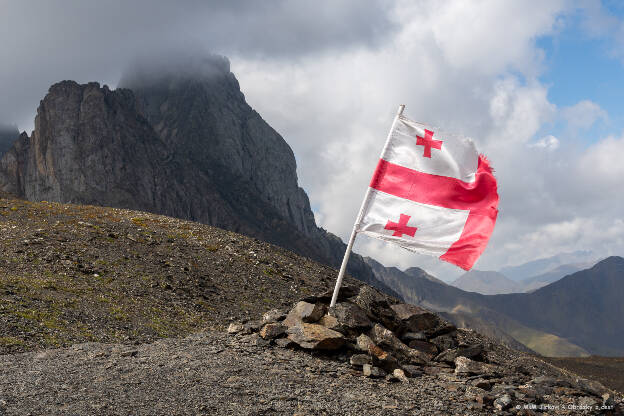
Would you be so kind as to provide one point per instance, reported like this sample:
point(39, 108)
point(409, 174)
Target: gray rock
point(445, 342)
point(474, 352)
point(412, 370)
point(272, 330)
point(415, 318)
point(424, 346)
point(383, 358)
point(331, 322)
point(304, 312)
point(235, 328)
point(285, 343)
point(397, 375)
point(358, 360)
point(350, 316)
point(274, 315)
point(482, 384)
point(364, 342)
point(383, 337)
point(503, 402)
point(608, 400)
point(414, 336)
point(377, 307)
point(317, 337)
point(372, 371)
point(465, 366)
point(447, 356)
point(251, 327)
point(590, 386)
point(258, 341)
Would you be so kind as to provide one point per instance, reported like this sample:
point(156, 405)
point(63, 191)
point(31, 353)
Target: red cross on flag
point(431, 194)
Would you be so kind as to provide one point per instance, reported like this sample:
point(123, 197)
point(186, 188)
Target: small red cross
point(428, 142)
point(401, 228)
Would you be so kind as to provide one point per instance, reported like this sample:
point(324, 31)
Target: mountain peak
point(610, 262)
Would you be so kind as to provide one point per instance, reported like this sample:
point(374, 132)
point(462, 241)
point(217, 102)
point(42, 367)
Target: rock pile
point(386, 339)
point(377, 335)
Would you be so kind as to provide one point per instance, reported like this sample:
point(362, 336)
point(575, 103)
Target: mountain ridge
point(553, 320)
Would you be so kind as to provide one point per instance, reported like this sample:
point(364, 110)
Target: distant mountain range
point(579, 314)
point(497, 282)
point(547, 264)
point(487, 283)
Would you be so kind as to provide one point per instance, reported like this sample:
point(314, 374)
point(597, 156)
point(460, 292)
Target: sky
point(537, 85)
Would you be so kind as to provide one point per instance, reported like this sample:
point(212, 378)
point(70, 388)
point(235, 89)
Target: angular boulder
point(358, 360)
point(445, 342)
point(377, 307)
point(274, 315)
point(304, 312)
point(350, 316)
point(465, 367)
point(385, 338)
point(330, 322)
point(363, 343)
point(272, 330)
point(424, 347)
point(316, 337)
point(383, 358)
point(416, 319)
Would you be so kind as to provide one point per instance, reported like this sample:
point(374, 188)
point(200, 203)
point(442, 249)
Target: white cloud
point(549, 142)
point(583, 114)
point(601, 166)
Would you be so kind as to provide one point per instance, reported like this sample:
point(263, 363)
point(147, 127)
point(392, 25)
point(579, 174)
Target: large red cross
point(401, 227)
point(428, 142)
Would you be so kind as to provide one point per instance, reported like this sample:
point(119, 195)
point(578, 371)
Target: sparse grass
point(72, 273)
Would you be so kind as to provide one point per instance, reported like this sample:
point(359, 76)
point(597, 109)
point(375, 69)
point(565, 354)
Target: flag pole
point(345, 259)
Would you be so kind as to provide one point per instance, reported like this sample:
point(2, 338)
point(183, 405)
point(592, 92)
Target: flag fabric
point(431, 194)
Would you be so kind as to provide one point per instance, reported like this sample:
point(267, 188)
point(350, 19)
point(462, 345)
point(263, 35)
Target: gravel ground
point(207, 374)
point(218, 374)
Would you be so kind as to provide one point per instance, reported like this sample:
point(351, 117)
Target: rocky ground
point(213, 373)
point(105, 286)
point(72, 273)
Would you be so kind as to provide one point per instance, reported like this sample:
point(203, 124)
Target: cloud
point(599, 23)
point(583, 114)
point(46, 42)
point(549, 142)
point(601, 165)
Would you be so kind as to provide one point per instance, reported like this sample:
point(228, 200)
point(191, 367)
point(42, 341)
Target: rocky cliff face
point(178, 142)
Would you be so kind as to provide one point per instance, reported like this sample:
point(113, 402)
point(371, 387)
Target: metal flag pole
point(345, 260)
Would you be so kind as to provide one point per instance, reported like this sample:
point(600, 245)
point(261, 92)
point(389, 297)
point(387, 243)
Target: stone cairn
point(384, 338)
point(379, 336)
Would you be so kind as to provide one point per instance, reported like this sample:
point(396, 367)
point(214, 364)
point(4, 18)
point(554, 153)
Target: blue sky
point(579, 65)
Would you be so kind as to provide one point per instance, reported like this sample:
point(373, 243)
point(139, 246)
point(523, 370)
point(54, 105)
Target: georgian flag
point(431, 194)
